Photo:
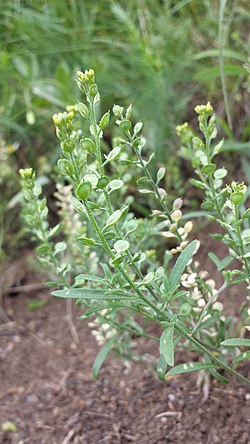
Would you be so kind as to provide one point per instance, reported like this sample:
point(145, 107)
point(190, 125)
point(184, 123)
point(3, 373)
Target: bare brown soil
point(48, 392)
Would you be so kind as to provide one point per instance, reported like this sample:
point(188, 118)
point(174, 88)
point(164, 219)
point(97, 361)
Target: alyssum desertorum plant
point(129, 279)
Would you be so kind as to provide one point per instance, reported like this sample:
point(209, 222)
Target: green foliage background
point(162, 55)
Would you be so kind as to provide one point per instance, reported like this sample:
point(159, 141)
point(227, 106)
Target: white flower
point(176, 215)
point(211, 283)
point(203, 274)
point(197, 246)
point(201, 303)
point(181, 231)
point(196, 294)
point(188, 226)
point(190, 280)
point(218, 306)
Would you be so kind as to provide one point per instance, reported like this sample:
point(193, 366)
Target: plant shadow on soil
point(48, 392)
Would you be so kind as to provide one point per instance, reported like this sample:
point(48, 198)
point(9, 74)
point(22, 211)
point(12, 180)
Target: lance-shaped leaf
point(87, 293)
point(218, 376)
point(241, 357)
point(167, 345)
point(189, 367)
point(94, 310)
point(236, 342)
point(161, 367)
point(180, 265)
point(81, 278)
point(101, 356)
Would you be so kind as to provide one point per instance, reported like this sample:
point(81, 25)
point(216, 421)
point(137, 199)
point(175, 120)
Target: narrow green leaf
point(166, 284)
point(194, 214)
point(93, 310)
point(54, 231)
point(220, 264)
point(236, 342)
point(189, 367)
point(198, 183)
point(215, 53)
point(180, 265)
point(246, 214)
point(225, 262)
point(179, 294)
point(167, 345)
point(81, 278)
point(115, 217)
point(86, 293)
point(215, 259)
point(107, 272)
point(86, 241)
point(161, 367)
point(235, 145)
point(218, 376)
point(213, 72)
point(101, 356)
point(242, 357)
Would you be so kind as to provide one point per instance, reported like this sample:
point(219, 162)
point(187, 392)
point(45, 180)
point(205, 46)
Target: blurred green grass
point(162, 55)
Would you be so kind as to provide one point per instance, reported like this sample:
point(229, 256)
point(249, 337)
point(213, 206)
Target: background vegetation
point(165, 56)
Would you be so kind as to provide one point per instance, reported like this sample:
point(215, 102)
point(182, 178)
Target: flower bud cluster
point(102, 331)
point(175, 230)
point(28, 177)
point(206, 120)
point(86, 83)
point(185, 133)
point(191, 279)
point(64, 125)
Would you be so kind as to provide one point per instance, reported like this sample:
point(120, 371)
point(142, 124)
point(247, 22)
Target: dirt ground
point(48, 392)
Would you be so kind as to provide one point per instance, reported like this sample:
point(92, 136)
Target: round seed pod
point(65, 167)
point(209, 169)
point(83, 190)
point(104, 121)
point(83, 110)
point(237, 198)
point(88, 145)
point(102, 182)
point(93, 90)
point(125, 125)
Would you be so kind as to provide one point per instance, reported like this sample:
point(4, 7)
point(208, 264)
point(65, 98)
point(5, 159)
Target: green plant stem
point(238, 231)
point(131, 330)
point(205, 309)
point(163, 315)
point(72, 158)
point(155, 188)
point(92, 118)
point(153, 185)
point(45, 240)
point(237, 220)
point(214, 195)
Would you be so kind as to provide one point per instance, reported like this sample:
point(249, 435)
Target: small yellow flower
point(204, 109)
